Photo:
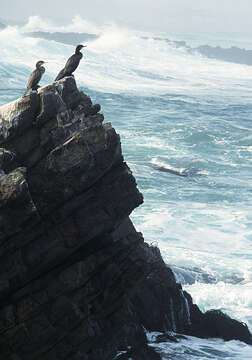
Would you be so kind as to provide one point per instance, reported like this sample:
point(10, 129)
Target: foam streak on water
point(185, 126)
point(192, 348)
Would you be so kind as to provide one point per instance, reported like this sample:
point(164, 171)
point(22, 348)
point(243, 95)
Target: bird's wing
point(72, 63)
point(34, 79)
point(69, 63)
point(60, 75)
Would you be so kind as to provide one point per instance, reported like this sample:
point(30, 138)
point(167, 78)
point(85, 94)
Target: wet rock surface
point(77, 281)
point(216, 324)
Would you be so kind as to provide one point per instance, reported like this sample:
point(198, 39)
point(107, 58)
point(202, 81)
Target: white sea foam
point(201, 349)
point(233, 299)
point(173, 170)
point(78, 24)
point(120, 61)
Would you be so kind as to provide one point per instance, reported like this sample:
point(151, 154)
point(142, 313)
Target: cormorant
point(71, 64)
point(35, 77)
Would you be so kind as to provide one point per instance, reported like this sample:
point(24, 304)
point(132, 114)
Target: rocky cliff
point(77, 281)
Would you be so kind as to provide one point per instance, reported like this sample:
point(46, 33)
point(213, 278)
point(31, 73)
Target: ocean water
point(185, 123)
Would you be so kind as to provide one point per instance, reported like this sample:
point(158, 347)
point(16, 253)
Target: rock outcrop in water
point(232, 54)
point(77, 281)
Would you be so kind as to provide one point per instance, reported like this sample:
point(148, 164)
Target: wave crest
point(78, 25)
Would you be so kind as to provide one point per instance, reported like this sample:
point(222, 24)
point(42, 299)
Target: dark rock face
point(218, 325)
point(233, 54)
point(76, 279)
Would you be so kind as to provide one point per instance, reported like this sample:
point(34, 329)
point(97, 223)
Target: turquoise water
point(185, 127)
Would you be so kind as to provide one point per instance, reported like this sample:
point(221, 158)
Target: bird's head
point(40, 63)
point(79, 47)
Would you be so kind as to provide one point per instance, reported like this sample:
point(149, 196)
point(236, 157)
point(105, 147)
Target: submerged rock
point(216, 324)
point(77, 281)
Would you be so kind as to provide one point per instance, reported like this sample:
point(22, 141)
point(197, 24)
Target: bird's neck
point(78, 52)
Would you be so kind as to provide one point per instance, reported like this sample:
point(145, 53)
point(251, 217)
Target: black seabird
point(35, 77)
point(71, 64)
